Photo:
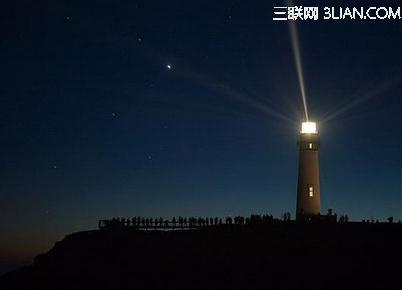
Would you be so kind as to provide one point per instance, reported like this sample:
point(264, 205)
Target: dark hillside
point(278, 256)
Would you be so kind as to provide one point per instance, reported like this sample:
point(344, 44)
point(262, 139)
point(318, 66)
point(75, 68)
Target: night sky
point(163, 108)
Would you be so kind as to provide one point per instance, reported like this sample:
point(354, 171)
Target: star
point(68, 18)
point(54, 166)
point(169, 66)
point(139, 39)
point(114, 114)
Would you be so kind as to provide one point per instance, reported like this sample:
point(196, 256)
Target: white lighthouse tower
point(308, 186)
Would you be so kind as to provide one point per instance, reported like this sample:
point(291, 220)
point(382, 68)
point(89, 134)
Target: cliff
point(278, 256)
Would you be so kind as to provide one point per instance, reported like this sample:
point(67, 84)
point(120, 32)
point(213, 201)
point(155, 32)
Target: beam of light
point(378, 91)
point(229, 91)
point(256, 104)
point(185, 71)
point(225, 89)
point(296, 53)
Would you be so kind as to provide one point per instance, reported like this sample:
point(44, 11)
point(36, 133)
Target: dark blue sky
point(94, 125)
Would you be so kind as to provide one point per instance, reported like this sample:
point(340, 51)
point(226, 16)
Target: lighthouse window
point(310, 145)
point(310, 191)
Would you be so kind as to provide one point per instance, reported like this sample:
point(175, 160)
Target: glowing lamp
point(309, 128)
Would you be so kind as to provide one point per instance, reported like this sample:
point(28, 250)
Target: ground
point(276, 256)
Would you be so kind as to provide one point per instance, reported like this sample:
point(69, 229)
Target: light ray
point(225, 89)
point(294, 37)
point(186, 71)
point(378, 91)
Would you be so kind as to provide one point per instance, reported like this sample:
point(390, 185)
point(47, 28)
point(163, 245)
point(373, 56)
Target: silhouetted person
point(180, 221)
point(174, 222)
point(390, 219)
point(255, 219)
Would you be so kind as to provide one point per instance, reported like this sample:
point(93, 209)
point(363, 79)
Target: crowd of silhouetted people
point(184, 222)
point(193, 222)
point(371, 220)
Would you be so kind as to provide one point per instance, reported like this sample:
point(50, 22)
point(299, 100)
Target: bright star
point(169, 66)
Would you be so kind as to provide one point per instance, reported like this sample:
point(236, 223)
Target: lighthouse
point(308, 186)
